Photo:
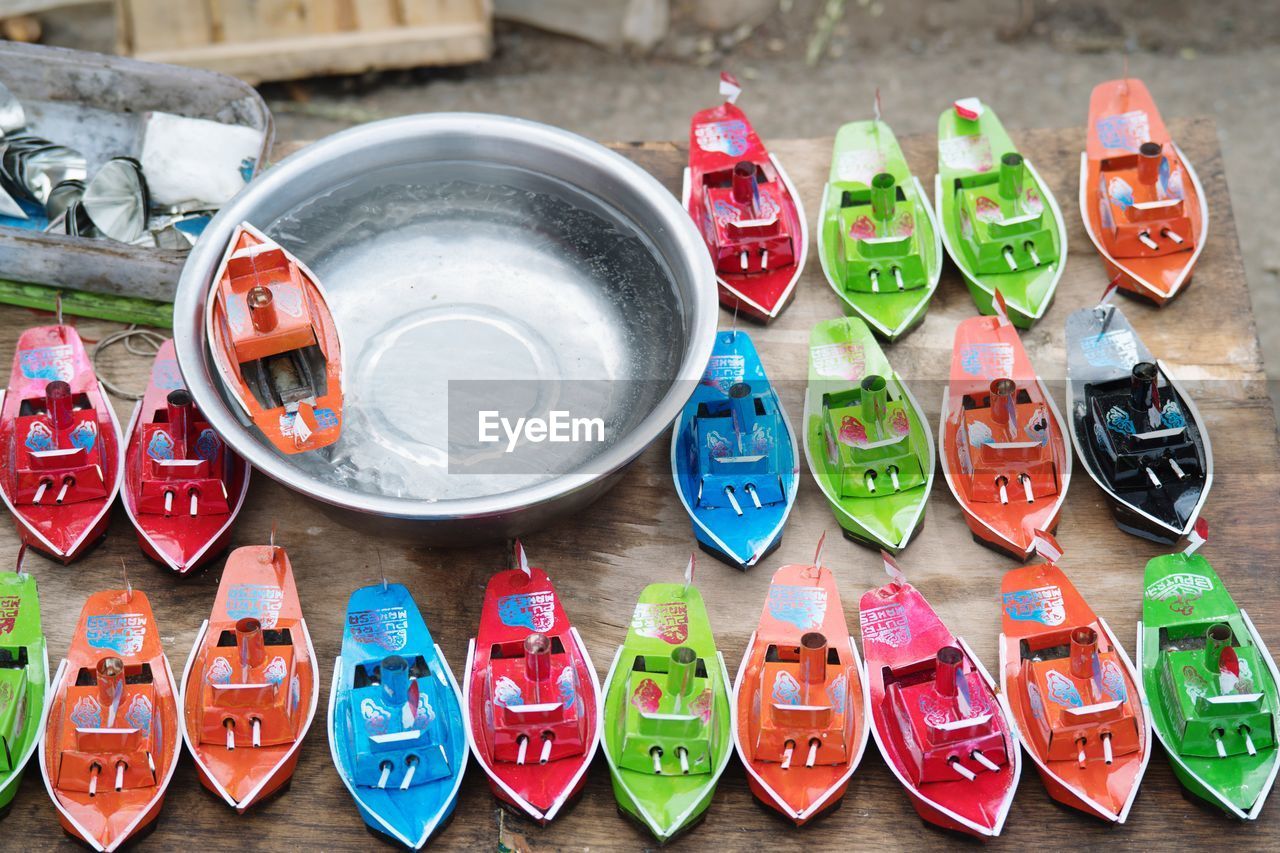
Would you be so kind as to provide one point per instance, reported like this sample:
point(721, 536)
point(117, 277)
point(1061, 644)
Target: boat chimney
point(181, 409)
point(1217, 638)
point(681, 670)
point(1143, 386)
point(874, 399)
point(110, 672)
point(744, 182)
point(743, 407)
point(1084, 644)
point(537, 657)
point(1011, 175)
point(253, 649)
point(59, 405)
point(1004, 405)
point(948, 671)
point(884, 196)
point(394, 676)
point(813, 658)
point(1149, 157)
point(261, 308)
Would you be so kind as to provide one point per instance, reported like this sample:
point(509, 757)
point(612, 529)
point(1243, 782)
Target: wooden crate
point(258, 40)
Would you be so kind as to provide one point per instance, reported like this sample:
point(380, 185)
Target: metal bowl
point(464, 251)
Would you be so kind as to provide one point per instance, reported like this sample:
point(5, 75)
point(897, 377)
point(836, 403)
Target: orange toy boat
point(1143, 205)
point(802, 710)
point(275, 343)
point(251, 684)
point(111, 743)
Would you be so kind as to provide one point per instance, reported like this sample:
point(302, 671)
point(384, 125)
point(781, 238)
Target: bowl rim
point(701, 311)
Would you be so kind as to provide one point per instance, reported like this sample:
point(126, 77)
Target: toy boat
point(531, 695)
point(183, 487)
point(275, 343)
point(867, 441)
point(396, 728)
point(880, 248)
point(733, 456)
point(1072, 694)
point(802, 710)
point(1004, 446)
point(62, 444)
point(251, 684)
point(1000, 221)
point(1137, 432)
point(667, 715)
point(112, 739)
point(24, 679)
point(1142, 203)
point(935, 715)
point(747, 209)
point(1210, 684)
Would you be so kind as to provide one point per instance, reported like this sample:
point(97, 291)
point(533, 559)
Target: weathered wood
point(638, 533)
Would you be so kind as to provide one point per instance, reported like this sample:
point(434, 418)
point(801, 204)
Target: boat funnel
point(948, 671)
point(874, 399)
point(1004, 405)
point(253, 649)
point(110, 672)
point(1149, 157)
point(262, 308)
point(884, 196)
point(1084, 644)
point(537, 657)
point(181, 408)
point(743, 407)
point(813, 658)
point(744, 182)
point(1217, 638)
point(1011, 172)
point(683, 667)
point(1143, 386)
point(394, 675)
point(59, 404)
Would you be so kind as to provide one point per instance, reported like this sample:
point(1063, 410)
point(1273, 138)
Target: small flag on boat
point(729, 86)
point(817, 554)
point(409, 713)
point(1228, 670)
point(688, 572)
point(522, 560)
point(1112, 287)
point(1001, 309)
point(1198, 536)
point(964, 699)
point(893, 570)
point(1046, 546)
point(969, 109)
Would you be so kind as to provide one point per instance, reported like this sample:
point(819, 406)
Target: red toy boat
point(250, 687)
point(802, 714)
point(183, 486)
point(747, 209)
point(111, 743)
point(61, 445)
point(531, 695)
point(1002, 439)
point(275, 343)
point(935, 715)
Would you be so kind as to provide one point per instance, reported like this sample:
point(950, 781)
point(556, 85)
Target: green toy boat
point(667, 717)
point(880, 247)
point(1210, 685)
point(866, 438)
point(24, 679)
point(1000, 222)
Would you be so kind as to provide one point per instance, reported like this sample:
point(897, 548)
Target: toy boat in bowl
point(112, 740)
point(61, 440)
point(733, 456)
point(1136, 430)
point(275, 343)
point(1002, 439)
point(747, 209)
point(1140, 199)
point(866, 439)
point(879, 245)
point(1000, 221)
point(183, 487)
point(251, 684)
point(802, 718)
point(531, 695)
point(396, 729)
point(24, 679)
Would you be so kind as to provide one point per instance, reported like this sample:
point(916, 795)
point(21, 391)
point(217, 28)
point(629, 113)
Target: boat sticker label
point(839, 361)
point(1037, 703)
point(84, 434)
point(8, 613)
point(852, 432)
point(567, 687)
point(1126, 131)
point(962, 450)
point(207, 445)
point(702, 706)
point(87, 714)
point(761, 440)
point(166, 375)
point(1104, 205)
point(377, 716)
point(966, 153)
point(992, 360)
point(238, 315)
point(667, 621)
point(767, 207)
point(1119, 421)
point(1120, 192)
point(987, 210)
point(1113, 681)
point(860, 165)
point(726, 137)
point(838, 692)
point(255, 601)
point(288, 299)
point(802, 606)
point(1037, 428)
point(119, 632)
point(51, 363)
point(725, 371)
point(219, 671)
point(937, 709)
point(1116, 348)
point(1170, 183)
point(160, 446)
point(139, 713)
point(1031, 202)
point(1042, 604)
point(387, 627)
point(39, 437)
point(276, 671)
point(1062, 691)
point(980, 434)
point(899, 423)
point(295, 692)
point(863, 228)
point(647, 696)
point(1182, 590)
point(507, 693)
point(6, 697)
point(535, 610)
point(786, 690)
point(1171, 416)
point(717, 444)
point(887, 625)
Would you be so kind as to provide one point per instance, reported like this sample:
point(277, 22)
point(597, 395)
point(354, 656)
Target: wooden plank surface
point(602, 558)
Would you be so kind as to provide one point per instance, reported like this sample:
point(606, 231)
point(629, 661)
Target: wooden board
point(602, 558)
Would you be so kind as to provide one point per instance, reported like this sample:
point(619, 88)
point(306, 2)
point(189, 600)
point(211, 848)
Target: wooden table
point(639, 533)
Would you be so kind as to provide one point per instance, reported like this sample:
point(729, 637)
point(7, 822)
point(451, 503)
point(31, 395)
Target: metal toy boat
point(1140, 438)
point(251, 684)
point(733, 456)
point(867, 441)
point(275, 343)
point(1210, 684)
point(24, 679)
point(112, 740)
point(879, 245)
point(747, 209)
point(1071, 692)
point(667, 715)
point(803, 715)
point(1002, 439)
point(396, 728)
point(1141, 201)
point(183, 487)
point(531, 695)
point(935, 714)
point(1000, 221)
point(62, 444)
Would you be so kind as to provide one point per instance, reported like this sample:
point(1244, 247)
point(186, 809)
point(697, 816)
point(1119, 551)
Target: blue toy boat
point(733, 456)
point(395, 718)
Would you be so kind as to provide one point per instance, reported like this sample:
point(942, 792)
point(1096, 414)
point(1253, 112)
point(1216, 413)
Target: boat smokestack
point(744, 182)
point(874, 399)
point(394, 675)
point(110, 672)
point(742, 406)
point(884, 196)
point(181, 409)
point(1143, 386)
point(1011, 175)
point(813, 658)
point(1149, 157)
point(262, 308)
point(1217, 638)
point(948, 671)
point(537, 657)
point(59, 404)
point(682, 669)
point(1084, 644)
point(1004, 405)
point(253, 648)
